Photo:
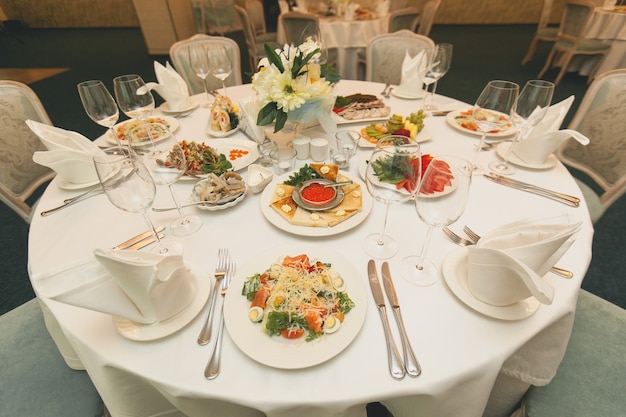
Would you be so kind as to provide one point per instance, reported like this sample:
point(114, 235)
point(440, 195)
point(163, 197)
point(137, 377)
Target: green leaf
point(267, 114)
point(281, 119)
point(273, 57)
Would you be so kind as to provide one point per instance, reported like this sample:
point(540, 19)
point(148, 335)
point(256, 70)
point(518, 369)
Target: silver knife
point(396, 367)
point(138, 238)
point(411, 364)
point(143, 243)
point(534, 189)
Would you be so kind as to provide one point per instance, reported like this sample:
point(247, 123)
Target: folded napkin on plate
point(413, 71)
point(139, 286)
point(171, 87)
point(69, 154)
point(537, 149)
point(507, 265)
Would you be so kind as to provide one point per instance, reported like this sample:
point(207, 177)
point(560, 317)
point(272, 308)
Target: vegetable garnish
point(304, 174)
point(200, 159)
point(403, 170)
point(297, 296)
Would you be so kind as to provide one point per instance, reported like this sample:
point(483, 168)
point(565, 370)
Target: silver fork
point(220, 273)
point(212, 369)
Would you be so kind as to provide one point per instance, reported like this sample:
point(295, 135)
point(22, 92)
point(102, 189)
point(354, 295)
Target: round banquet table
point(462, 351)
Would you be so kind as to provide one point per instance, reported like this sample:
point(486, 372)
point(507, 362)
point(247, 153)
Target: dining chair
point(256, 12)
point(544, 32)
point(255, 45)
point(590, 379)
point(298, 26)
point(179, 53)
point(570, 39)
point(20, 176)
point(600, 116)
point(385, 53)
point(397, 5)
point(407, 18)
point(35, 380)
point(427, 16)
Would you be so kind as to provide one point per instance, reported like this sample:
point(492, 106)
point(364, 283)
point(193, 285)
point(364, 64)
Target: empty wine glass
point(167, 163)
point(440, 201)
point(133, 97)
point(532, 106)
point(221, 66)
point(99, 105)
point(492, 110)
point(132, 189)
point(199, 61)
point(391, 177)
point(442, 58)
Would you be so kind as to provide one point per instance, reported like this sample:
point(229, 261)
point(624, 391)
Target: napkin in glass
point(507, 264)
point(69, 153)
point(139, 286)
point(413, 72)
point(171, 87)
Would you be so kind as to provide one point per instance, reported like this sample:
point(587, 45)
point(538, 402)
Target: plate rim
point(172, 121)
point(502, 148)
point(363, 143)
point(450, 118)
point(248, 336)
point(457, 283)
point(164, 108)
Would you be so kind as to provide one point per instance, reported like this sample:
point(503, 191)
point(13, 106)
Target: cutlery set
point(534, 189)
point(141, 240)
point(398, 366)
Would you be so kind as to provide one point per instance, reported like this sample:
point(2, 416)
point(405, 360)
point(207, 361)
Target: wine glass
point(391, 177)
point(133, 97)
point(99, 105)
point(221, 66)
point(442, 58)
point(199, 61)
point(167, 163)
point(131, 189)
point(532, 106)
point(492, 110)
point(440, 201)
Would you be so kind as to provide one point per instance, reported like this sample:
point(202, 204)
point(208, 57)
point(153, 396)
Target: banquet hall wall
point(121, 13)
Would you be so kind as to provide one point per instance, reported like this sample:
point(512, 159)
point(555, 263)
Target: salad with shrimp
point(297, 297)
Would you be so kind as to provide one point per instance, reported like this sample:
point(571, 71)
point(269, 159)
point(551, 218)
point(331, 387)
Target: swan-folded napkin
point(139, 286)
point(171, 86)
point(69, 153)
point(507, 264)
point(537, 149)
point(412, 75)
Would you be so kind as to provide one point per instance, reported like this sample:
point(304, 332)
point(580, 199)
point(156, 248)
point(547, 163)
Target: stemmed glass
point(166, 164)
point(99, 105)
point(131, 189)
point(440, 201)
point(133, 97)
point(440, 64)
point(221, 66)
point(532, 106)
point(492, 110)
point(391, 177)
point(199, 61)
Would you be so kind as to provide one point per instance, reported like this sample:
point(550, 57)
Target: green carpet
point(481, 53)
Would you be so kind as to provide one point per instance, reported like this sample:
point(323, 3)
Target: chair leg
point(567, 58)
point(531, 51)
point(548, 62)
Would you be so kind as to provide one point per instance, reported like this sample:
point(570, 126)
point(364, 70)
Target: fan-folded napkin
point(507, 265)
point(412, 75)
point(545, 137)
point(139, 286)
point(69, 153)
point(171, 86)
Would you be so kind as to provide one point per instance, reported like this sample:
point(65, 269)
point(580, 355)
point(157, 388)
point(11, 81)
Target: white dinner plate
point(278, 221)
point(66, 185)
point(216, 207)
point(145, 332)
point(342, 121)
point(219, 133)
point(451, 119)
point(406, 96)
point(279, 352)
point(423, 136)
point(503, 148)
point(165, 108)
point(227, 145)
point(455, 274)
point(173, 124)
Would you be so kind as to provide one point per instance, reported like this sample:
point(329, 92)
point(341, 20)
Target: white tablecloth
point(461, 350)
point(347, 37)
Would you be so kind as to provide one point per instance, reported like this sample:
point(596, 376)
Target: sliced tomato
point(292, 333)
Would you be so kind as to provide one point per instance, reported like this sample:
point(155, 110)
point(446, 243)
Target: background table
point(462, 352)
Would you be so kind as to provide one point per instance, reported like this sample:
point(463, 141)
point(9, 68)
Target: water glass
point(284, 160)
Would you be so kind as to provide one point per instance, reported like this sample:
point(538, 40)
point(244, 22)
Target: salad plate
point(165, 108)
point(145, 332)
point(423, 136)
point(220, 134)
point(455, 274)
point(455, 118)
point(278, 352)
point(172, 123)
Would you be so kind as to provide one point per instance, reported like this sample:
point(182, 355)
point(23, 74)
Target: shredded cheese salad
point(297, 296)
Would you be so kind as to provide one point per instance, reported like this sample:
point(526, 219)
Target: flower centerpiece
point(292, 84)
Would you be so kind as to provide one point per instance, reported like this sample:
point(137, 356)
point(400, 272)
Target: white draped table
point(462, 351)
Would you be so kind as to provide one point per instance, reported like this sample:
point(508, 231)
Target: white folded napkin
point(507, 264)
point(382, 8)
point(552, 120)
point(249, 110)
point(69, 153)
point(171, 87)
point(536, 150)
point(413, 71)
point(139, 286)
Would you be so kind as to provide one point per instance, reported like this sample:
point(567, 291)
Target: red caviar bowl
point(316, 193)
